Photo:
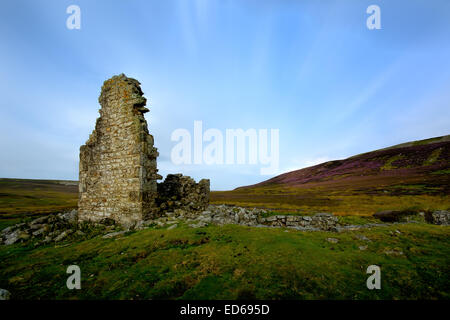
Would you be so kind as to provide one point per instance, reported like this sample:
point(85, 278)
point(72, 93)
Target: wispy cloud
point(309, 68)
point(368, 93)
point(188, 26)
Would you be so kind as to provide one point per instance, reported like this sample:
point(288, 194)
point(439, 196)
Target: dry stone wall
point(252, 217)
point(118, 173)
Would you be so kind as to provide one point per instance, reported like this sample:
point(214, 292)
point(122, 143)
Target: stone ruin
point(181, 192)
point(118, 183)
point(118, 172)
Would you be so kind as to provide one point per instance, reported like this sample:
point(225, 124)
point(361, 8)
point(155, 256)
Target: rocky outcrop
point(51, 229)
point(47, 228)
point(182, 192)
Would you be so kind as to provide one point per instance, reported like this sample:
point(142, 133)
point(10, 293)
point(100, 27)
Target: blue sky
point(311, 69)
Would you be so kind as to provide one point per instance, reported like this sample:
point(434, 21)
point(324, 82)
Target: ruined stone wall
point(117, 178)
point(182, 192)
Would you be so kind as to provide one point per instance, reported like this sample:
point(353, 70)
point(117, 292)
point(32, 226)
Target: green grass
point(236, 262)
point(356, 220)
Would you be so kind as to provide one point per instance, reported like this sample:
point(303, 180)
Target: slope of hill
point(414, 174)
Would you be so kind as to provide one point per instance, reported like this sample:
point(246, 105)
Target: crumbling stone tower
point(118, 162)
